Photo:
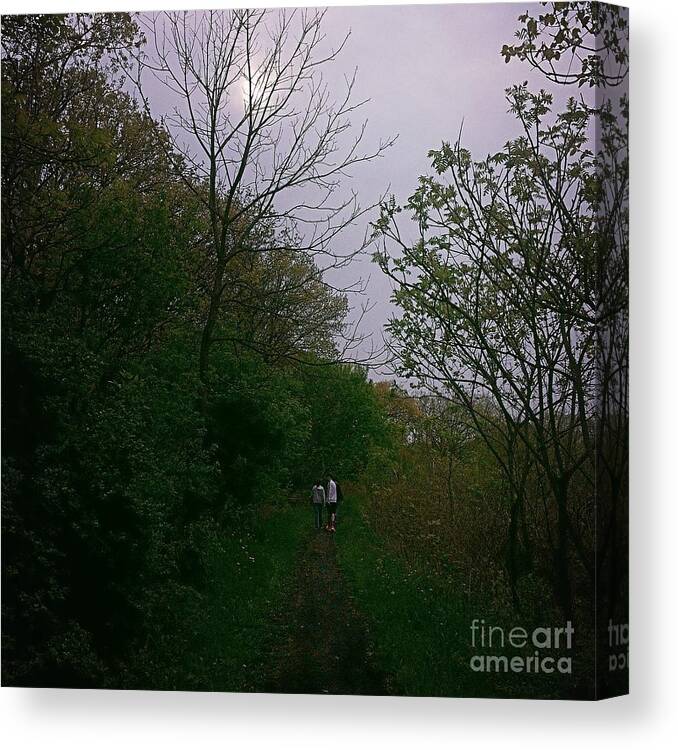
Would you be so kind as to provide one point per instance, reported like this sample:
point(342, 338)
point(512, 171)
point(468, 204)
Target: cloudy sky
point(425, 69)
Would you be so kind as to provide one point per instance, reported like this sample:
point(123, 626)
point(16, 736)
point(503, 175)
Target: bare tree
point(260, 135)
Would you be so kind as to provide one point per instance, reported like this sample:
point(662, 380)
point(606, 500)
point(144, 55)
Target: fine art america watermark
point(618, 643)
point(543, 650)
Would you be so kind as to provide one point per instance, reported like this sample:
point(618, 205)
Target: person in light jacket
point(331, 504)
point(318, 502)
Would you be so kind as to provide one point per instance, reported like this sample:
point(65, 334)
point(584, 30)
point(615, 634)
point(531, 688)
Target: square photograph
point(315, 350)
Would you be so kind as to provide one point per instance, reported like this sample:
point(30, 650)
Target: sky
point(425, 69)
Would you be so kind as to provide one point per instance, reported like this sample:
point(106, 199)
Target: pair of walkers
point(326, 496)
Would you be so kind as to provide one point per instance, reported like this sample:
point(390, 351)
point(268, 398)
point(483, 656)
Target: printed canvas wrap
point(315, 350)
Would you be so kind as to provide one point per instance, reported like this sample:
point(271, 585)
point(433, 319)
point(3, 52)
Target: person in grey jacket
point(318, 502)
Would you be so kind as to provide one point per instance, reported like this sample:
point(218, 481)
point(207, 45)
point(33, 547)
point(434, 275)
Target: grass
point(252, 582)
point(419, 625)
point(223, 640)
point(412, 626)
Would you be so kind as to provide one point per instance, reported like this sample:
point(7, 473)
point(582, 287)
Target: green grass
point(419, 625)
point(413, 627)
point(224, 639)
point(252, 579)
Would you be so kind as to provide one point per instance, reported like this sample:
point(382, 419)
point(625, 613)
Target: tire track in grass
point(326, 647)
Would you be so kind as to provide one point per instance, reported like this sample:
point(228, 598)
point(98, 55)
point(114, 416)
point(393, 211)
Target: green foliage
point(498, 309)
point(130, 486)
point(348, 423)
point(574, 42)
point(499, 299)
point(419, 621)
point(258, 425)
point(166, 391)
point(224, 637)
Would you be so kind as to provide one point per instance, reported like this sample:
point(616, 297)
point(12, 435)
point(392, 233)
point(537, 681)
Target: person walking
point(331, 504)
point(318, 502)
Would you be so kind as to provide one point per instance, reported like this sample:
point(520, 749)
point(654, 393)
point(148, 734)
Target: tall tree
point(55, 94)
point(587, 44)
point(497, 299)
point(513, 291)
point(96, 268)
point(258, 128)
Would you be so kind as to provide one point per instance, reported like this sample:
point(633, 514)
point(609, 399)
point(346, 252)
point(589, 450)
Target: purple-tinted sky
point(425, 69)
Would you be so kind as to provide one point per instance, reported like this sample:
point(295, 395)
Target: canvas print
point(315, 350)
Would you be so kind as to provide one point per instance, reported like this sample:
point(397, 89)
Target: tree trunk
point(512, 553)
point(207, 333)
point(562, 583)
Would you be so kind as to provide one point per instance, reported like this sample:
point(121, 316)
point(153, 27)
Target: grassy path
point(294, 610)
point(325, 647)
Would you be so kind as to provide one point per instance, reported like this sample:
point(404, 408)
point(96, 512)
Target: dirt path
point(326, 647)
